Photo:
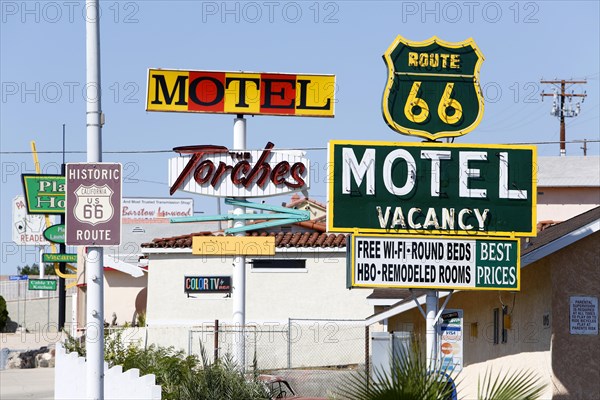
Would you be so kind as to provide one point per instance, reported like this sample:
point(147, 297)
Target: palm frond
point(520, 384)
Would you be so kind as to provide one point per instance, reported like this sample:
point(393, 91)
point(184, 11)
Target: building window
point(280, 264)
point(496, 325)
point(500, 327)
point(505, 318)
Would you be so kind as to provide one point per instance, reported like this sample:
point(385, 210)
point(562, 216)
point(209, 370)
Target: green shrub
point(180, 376)
point(3, 314)
point(409, 379)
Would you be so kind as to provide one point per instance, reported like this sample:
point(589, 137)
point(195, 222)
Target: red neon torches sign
point(217, 171)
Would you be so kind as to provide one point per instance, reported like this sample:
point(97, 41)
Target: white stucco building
point(567, 186)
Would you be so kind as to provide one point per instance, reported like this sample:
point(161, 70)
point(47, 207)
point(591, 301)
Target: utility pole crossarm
point(560, 109)
point(563, 81)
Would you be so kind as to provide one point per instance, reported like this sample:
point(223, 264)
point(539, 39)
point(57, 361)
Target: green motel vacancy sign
point(44, 194)
point(42, 284)
point(432, 188)
point(432, 90)
point(447, 263)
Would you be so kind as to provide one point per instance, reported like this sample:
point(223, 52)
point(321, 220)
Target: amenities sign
point(240, 93)
point(42, 284)
point(207, 284)
point(432, 188)
point(450, 331)
point(434, 263)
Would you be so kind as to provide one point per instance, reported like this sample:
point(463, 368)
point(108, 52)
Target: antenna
point(559, 109)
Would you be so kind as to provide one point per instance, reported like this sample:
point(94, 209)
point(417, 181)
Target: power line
point(278, 149)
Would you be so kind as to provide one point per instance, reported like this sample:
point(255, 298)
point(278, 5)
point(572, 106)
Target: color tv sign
point(217, 171)
point(240, 93)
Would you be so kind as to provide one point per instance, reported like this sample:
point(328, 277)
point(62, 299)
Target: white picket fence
point(70, 380)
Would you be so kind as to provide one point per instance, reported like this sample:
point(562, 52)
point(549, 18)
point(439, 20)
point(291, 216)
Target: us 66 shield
point(434, 262)
point(93, 206)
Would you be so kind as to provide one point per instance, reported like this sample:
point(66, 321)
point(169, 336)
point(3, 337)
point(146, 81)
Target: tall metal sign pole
point(94, 339)
point(238, 293)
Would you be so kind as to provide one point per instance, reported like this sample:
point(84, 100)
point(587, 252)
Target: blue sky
point(42, 72)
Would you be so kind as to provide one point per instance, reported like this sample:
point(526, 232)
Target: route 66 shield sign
point(94, 204)
point(432, 90)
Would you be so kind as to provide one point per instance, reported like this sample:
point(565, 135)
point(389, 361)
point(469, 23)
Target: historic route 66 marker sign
point(93, 204)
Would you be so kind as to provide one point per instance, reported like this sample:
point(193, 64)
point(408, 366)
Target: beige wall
point(318, 292)
point(575, 358)
point(120, 293)
point(527, 333)
point(569, 364)
point(563, 203)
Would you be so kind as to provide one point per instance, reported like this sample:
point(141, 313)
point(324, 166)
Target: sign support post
point(94, 338)
point(239, 262)
point(62, 248)
point(431, 302)
point(42, 270)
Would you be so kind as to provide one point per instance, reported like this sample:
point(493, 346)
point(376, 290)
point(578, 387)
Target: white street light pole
point(94, 339)
point(239, 262)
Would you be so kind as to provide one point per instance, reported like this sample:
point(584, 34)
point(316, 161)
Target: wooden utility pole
point(558, 106)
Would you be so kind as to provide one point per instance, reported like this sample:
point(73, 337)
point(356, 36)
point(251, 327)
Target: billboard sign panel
point(93, 207)
point(145, 209)
point(432, 188)
point(217, 171)
point(246, 93)
point(388, 261)
point(45, 194)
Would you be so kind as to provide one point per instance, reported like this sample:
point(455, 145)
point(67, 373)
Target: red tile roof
point(296, 200)
point(282, 239)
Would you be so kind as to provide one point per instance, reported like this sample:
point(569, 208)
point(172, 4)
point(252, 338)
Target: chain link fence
point(313, 355)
